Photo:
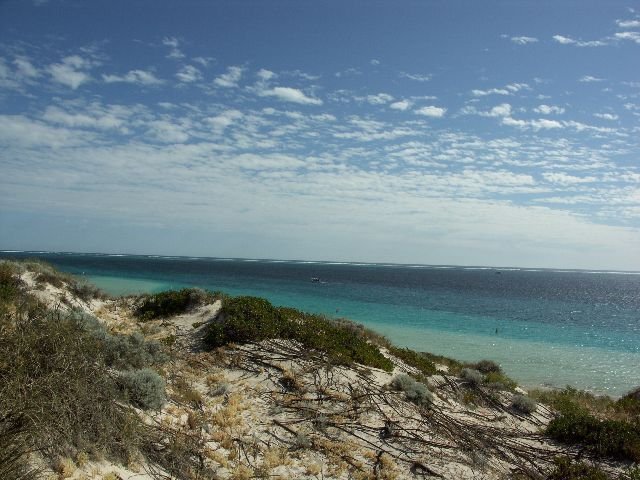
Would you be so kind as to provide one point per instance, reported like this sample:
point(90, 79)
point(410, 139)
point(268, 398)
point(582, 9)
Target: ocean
point(545, 327)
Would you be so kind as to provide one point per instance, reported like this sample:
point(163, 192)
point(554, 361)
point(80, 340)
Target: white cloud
point(231, 78)
point(522, 40)
point(226, 118)
point(189, 74)
point(632, 36)
point(535, 124)
point(26, 68)
point(174, 50)
point(506, 90)
point(590, 79)
point(264, 74)
point(165, 131)
point(379, 99)
point(566, 180)
point(401, 105)
point(94, 116)
point(549, 109)
point(431, 111)
point(561, 39)
point(289, 94)
point(71, 72)
point(416, 76)
point(502, 110)
point(140, 77)
point(628, 23)
point(606, 116)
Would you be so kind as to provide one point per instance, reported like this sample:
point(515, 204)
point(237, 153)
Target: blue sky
point(485, 133)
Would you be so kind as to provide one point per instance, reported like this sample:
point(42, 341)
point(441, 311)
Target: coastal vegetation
point(251, 319)
point(156, 380)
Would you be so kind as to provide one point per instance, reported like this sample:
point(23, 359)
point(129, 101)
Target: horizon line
point(332, 262)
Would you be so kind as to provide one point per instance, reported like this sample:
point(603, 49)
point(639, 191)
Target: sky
point(500, 133)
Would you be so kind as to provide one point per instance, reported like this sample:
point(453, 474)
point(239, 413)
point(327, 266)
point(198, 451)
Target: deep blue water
point(544, 326)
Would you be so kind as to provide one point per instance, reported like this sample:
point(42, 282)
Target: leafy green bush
point(604, 438)
point(414, 359)
point(630, 403)
point(171, 302)
point(14, 448)
point(123, 352)
point(499, 381)
point(415, 392)
point(472, 377)
point(144, 388)
point(487, 366)
point(52, 373)
point(523, 404)
point(251, 319)
point(565, 469)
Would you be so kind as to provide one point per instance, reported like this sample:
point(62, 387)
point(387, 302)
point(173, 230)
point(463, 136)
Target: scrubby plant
point(629, 404)
point(15, 445)
point(144, 388)
point(172, 302)
point(499, 381)
point(52, 373)
point(603, 438)
point(414, 359)
point(566, 469)
point(487, 366)
point(472, 377)
point(251, 319)
point(415, 392)
point(523, 404)
point(123, 352)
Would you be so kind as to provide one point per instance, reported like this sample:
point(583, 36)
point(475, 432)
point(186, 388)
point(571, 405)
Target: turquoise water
point(544, 327)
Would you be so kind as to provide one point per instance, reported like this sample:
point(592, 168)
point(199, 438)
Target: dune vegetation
point(192, 384)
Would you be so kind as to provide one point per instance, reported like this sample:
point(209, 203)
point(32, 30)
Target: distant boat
point(315, 279)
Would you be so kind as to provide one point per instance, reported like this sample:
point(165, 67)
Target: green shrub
point(15, 446)
point(252, 319)
point(144, 388)
point(170, 303)
point(565, 469)
point(630, 403)
point(523, 404)
point(487, 366)
point(123, 352)
point(454, 366)
point(499, 381)
point(415, 392)
point(52, 372)
point(603, 438)
point(415, 360)
point(472, 377)
point(10, 282)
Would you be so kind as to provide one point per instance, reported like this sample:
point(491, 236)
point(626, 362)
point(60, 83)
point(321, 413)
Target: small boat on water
point(315, 279)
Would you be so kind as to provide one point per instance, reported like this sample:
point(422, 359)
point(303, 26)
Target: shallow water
point(545, 327)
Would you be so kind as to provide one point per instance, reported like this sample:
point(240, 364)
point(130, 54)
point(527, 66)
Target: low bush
point(172, 302)
point(472, 377)
point(123, 352)
point(414, 359)
point(144, 388)
point(487, 366)
point(604, 438)
point(565, 469)
point(629, 404)
point(251, 319)
point(523, 404)
point(499, 381)
point(415, 392)
point(53, 374)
